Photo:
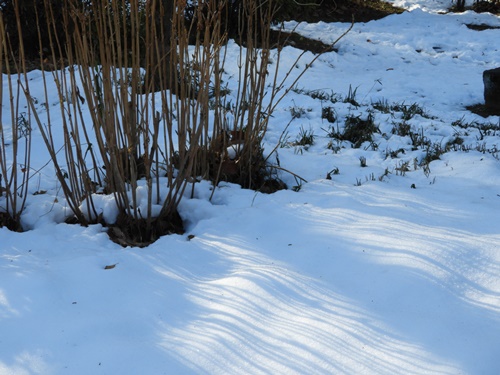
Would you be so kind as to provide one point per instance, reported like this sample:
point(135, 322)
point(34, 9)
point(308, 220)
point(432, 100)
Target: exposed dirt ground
point(346, 11)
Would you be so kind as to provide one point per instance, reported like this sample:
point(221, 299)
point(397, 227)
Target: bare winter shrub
point(144, 109)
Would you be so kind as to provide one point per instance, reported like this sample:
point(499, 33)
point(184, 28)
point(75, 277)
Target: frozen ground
point(392, 268)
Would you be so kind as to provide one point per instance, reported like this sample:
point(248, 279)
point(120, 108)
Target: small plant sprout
point(410, 111)
point(333, 132)
point(299, 183)
point(402, 168)
point(351, 97)
point(433, 152)
point(23, 125)
point(373, 145)
point(322, 95)
point(334, 145)
point(419, 139)
point(385, 174)
point(427, 169)
point(329, 114)
point(297, 112)
point(334, 171)
point(358, 130)
point(305, 138)
point(403, 129)
point(382, 105)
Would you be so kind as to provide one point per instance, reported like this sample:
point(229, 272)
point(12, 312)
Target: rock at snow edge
point(491, 79)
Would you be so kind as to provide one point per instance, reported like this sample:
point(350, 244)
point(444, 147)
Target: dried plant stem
point(17, 165)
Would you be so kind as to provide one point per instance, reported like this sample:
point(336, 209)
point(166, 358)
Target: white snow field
point(390, 268)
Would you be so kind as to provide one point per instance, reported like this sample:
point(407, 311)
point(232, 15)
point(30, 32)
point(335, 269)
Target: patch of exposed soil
point(481, 110)
point(280, 38)
point(343, 11)
point(481, 27)
point(8, 222)
point(486, 6)
point(330, 11)
point(128, 231)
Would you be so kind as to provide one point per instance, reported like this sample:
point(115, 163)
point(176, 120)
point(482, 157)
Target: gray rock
point(491, 79)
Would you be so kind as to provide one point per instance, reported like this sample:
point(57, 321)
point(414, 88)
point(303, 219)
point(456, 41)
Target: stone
point(491, 80)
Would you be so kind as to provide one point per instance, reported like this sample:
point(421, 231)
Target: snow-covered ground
point(391, 268)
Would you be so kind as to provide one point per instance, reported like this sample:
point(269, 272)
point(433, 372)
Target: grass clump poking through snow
point(305, 138)
point(359, 130)
point(351, 97)
point(329, 114)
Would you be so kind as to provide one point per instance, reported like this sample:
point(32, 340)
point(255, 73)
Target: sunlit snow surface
point(380, 278)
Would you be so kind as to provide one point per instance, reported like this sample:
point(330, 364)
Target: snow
point(365, 273)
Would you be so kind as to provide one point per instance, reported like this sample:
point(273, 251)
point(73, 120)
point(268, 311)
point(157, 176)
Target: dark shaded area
point(481, 27)
point(128, 231)
point(492, 6)
point(281, 38)
point(482, 6)
point(358, 130)
point(491, 80)
point(216, 164)
point(311, 12)
point(6, 221)
point(336, 11)
point(327, 11)
point(480, 109)
point(34, 16)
